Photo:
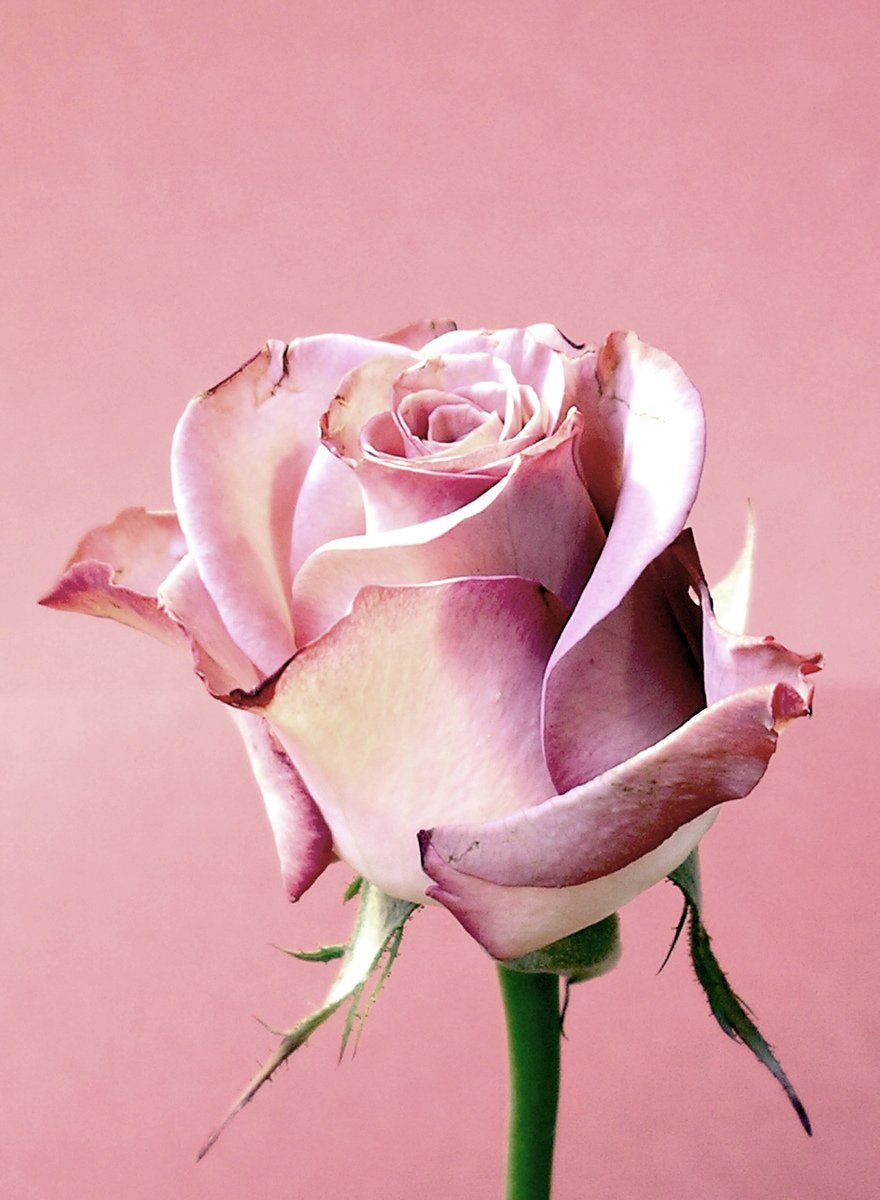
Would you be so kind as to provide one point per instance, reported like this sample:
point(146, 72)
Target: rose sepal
point(587, 954)
point(373, 946)
point(731, 1013)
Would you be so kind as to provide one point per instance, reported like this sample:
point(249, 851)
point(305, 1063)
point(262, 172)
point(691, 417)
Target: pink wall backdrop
point(181, 182)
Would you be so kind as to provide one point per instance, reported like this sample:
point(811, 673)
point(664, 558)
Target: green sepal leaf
point(352, 888)
point(731, 1013)
point(376, 937)
point(583, 955)
point(322, 954)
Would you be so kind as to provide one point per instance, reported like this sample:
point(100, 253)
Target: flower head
point(443, 581)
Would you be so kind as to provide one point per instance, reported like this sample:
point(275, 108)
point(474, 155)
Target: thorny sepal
point(731, 1013)
point(374, 944)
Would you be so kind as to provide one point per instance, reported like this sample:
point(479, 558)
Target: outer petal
point(116, 569)
point(646, 426)
point(222, 665)
point(538, 523)
point(420, 706)
point(597, 828)
point(611, 823)
point(302, 837)
point(511, 921)
point(734, 663)
point(628, 683)
point(240, 454)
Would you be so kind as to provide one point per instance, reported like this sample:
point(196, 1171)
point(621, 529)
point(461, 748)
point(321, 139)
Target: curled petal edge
point(509, 922)
point(115, 571)
point(601, 826)
point(593, 838)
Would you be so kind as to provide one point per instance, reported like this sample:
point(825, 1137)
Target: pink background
point(180, 183)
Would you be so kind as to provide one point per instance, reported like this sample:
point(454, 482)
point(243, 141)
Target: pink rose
point(444, 583)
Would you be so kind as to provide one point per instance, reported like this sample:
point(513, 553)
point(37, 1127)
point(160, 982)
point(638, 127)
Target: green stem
point(531, 1006)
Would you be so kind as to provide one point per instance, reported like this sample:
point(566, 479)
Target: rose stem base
point(531, 1007)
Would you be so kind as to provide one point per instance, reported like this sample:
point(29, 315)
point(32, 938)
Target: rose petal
point(414, 336)
point(240, 454)
point(631, 681)
point(420, 705)
point(302, 837)
point(720, 754)
point(360, 395)
point(440, 380)
point(734, 663)
point(435, 423)
point(401, 492)
point(142, 547)
point(330, 506)
point(218, 661)
point(385, 444)
point(512, 921)
point(532, 360)
point(116, 569)
point(615, 821)
point(550, 336)
point(537, 523)
point(647, 417)
point(450, 373)
point(447, 423)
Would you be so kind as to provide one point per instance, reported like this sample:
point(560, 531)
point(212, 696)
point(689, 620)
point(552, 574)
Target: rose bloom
point(443, 582)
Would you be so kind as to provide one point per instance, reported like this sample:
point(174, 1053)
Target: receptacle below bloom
point(443, 581)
